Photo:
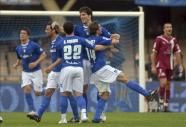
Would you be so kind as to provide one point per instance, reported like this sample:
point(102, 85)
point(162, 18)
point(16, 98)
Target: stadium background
point(122, 99)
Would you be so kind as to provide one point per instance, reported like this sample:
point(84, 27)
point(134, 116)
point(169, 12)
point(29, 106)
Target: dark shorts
point(164, 73)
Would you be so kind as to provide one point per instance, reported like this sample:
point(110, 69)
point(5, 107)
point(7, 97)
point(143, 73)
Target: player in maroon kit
point(165, 47)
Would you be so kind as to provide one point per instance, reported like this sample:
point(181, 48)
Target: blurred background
point(156, 13)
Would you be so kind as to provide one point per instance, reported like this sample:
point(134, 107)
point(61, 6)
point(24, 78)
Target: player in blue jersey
point(52, 30)
point(81, 30)
point(72, 72)
point(104, 74)
point(30, 55)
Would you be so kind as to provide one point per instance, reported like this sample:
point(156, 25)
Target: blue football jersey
point(98, 58)
point(29, 53)
point(82, 31)
point(71, 50)
point(53, 51)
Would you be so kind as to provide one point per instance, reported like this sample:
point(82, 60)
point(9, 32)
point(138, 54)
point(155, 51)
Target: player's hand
point(153, 69)
point(48, 69)
point(32, 65)
point(15, 66)
point(115, 36)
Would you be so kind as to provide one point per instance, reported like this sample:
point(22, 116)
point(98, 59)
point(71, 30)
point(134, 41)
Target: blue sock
point(74, 107)
point(63, 104)
point(81, 102)
point(136, 87)
point(30, 101)
point(86, 100)
point(44, 105)
point(99, 108)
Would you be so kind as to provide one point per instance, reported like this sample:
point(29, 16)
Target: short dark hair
point(54, 26)
point(68, 27)
point(166, 23)
point(93, 27)
point(86, 10)
point(25, 29)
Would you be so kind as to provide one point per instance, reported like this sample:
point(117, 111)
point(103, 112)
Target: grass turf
point(114, 119)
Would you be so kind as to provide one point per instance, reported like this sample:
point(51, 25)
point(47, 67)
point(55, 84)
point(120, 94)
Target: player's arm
point(38, 61)
point(51, 66)
point(153, 61)
point(108, 43)
point(18, 61)
point(57, 62)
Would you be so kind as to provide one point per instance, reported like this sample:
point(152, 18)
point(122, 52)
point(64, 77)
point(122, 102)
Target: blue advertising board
point(122, 98)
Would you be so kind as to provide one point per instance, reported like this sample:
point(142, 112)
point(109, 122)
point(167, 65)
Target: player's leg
point(162, 76)
point(167, 97)
point(66, 77)
point(50, 89)
point(64, 106)
point(167, 90)
point(27, 89)
point(122, 77)
point(74, 107)
point(78, 92)
point(87, 73)
point(37, 79)
point(52, 84)
point(163, 83)
point(104, 93)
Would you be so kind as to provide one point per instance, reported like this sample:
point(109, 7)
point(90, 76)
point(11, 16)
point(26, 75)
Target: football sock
point(63, 104)
point(74, 107)
point(30, 101)
point(44, 104)
point(99, 108)
point(81, 102)
point(86, 100)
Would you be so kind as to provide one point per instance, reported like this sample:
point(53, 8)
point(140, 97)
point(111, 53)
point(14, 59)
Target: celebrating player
point(104, 74)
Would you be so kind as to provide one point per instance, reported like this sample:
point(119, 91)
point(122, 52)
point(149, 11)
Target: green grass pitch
point(114, 119)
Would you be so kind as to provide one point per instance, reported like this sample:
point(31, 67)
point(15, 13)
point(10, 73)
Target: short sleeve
point(156, 45)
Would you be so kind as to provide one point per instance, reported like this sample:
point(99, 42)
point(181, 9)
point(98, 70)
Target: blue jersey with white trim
point(29, 53)
point(98, 58)
point(82, 31)
point(71, 50)
point(53, 51)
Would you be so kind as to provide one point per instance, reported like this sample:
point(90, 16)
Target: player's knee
point(27, 89)
point(105, 95)
point(49, 92)
point(163, 82)
point(37, 93)
point(122, 77)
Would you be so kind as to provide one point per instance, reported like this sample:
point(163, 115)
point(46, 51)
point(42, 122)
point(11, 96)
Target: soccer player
point(72, 72)
point(30, 55)
point(52, 30)
point(104, 74)
point(165, 46)
point(81, 30)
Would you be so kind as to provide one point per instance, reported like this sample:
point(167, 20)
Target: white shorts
point(71, 79)
point(87, 71)
point(53, 80)
point(103, 77)
point(33, 78)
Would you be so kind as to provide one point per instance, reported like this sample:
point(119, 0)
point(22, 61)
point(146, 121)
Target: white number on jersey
point(91, 54)
point(72, 52)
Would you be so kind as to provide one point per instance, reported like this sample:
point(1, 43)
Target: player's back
point(71, 51)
